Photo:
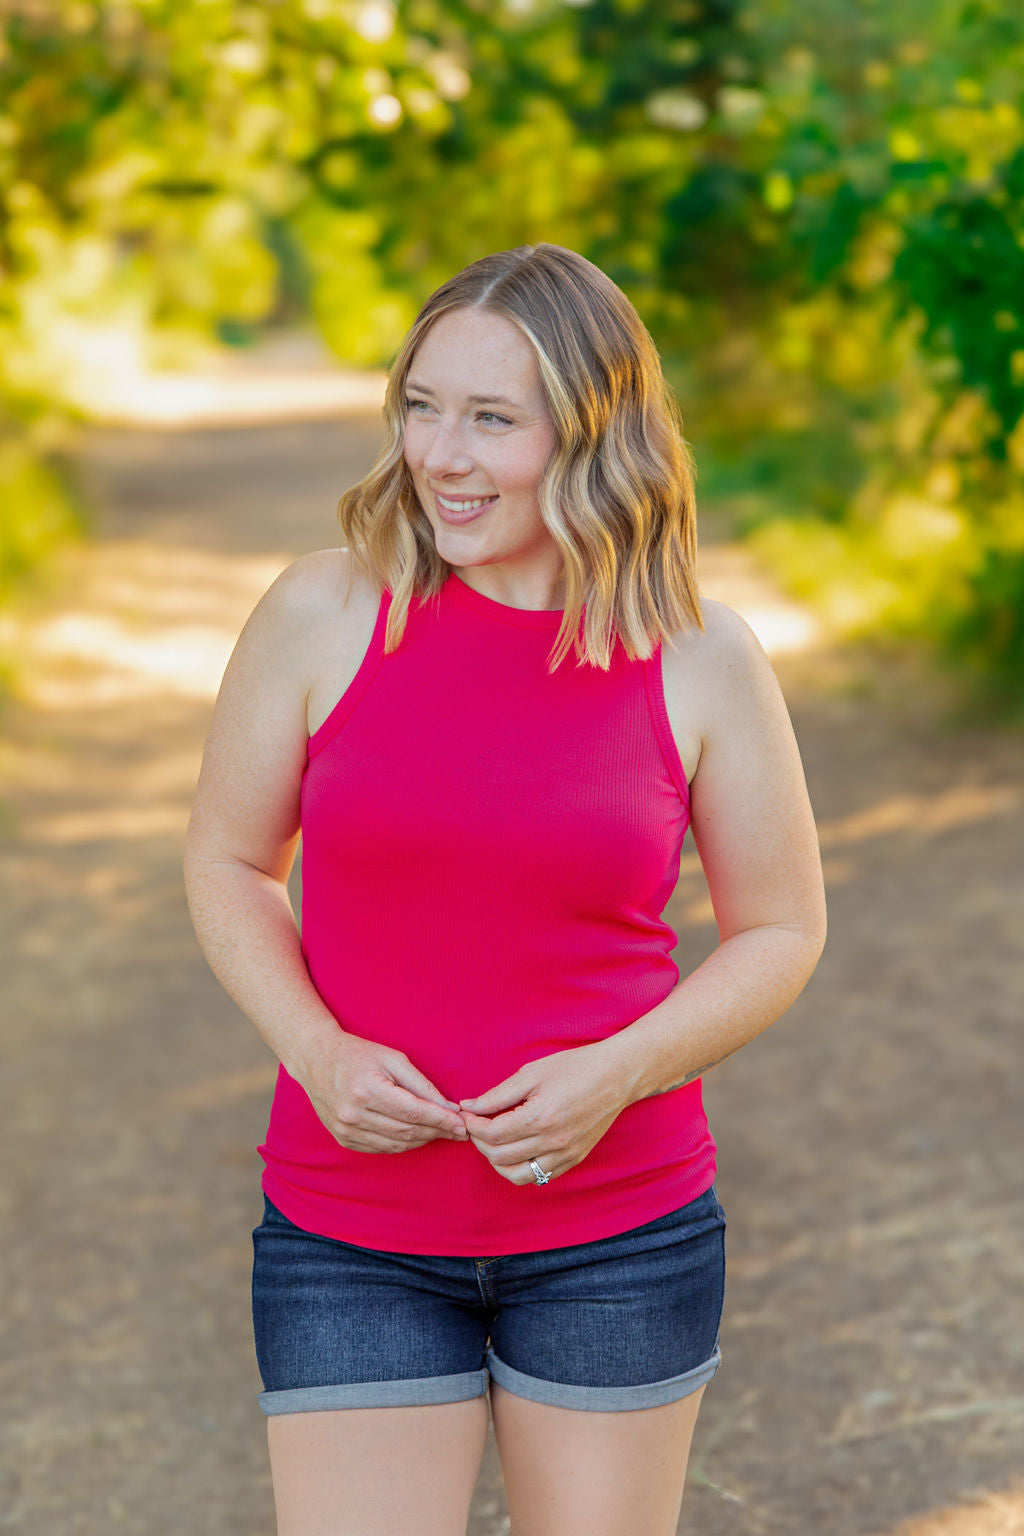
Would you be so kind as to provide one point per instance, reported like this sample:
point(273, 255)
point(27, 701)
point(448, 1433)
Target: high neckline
point(529, 618)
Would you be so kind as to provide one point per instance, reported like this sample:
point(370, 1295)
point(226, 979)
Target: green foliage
point(963, 268)
point(818, 204)
point(39, 511)
point(987, 631)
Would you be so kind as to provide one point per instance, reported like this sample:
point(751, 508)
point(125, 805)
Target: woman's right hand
point(372, 1099)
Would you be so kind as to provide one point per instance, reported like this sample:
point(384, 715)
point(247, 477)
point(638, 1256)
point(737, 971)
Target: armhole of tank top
point(357, 687)
point(662, 728)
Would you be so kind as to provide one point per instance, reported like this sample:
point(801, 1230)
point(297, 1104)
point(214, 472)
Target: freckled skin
point(466, 449)
point(414, 1468)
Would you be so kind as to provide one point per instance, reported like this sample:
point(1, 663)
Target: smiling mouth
point(467, 504)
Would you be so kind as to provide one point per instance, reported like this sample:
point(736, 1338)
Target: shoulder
point(726, 635)
point(321, 594)
point(721, 692)
point(316, 586)
point(719, 666)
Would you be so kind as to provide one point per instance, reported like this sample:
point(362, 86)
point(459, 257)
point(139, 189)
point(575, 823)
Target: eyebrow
point(473, 399)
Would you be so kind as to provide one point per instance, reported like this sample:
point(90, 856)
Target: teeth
point(464, 506)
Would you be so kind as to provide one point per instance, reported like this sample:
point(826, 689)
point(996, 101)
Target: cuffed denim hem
point(413, 1393)
point(602, 1399)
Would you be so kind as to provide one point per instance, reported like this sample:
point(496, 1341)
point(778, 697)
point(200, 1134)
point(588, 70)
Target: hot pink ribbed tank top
point(487, 851)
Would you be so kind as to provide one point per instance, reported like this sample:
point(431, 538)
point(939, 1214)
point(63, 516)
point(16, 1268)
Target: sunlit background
point(217, 221)
point(818, 209)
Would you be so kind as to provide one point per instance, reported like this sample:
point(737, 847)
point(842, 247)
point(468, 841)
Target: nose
point(447, 453)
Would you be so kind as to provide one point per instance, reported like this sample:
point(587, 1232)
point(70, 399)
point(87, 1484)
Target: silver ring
point(539, 1176)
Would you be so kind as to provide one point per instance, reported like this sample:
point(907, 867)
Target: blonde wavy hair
point(617, 494)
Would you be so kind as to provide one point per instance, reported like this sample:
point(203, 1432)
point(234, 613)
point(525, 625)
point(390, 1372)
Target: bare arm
point(755, 834)
point(754, 831)
point(239, 850)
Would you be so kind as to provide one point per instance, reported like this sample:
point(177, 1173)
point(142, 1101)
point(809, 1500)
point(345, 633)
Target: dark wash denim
point(626, 1322)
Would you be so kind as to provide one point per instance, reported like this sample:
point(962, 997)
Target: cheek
point(526, 469)
point(413, 462)
point(526, 479)
point(413, 444)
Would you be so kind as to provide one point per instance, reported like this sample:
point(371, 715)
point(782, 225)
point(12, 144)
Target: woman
point(489, 1179)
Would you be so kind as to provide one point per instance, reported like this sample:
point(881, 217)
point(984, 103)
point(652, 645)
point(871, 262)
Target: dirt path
point(871, 1159)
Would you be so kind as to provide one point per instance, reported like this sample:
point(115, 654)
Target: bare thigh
point(377, 1471)
point(570, 1472)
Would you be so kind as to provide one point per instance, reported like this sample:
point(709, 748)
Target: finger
point(404, 1131)
point(517, 1154)
point(504, 1096)
point(383, 1135)
point(400, 1104)
point(410, 1077)
point(367, 1141)
point(522, 1174)
point(502, 1129)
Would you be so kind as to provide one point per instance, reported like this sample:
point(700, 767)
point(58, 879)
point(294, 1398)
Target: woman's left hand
point(553, 1109)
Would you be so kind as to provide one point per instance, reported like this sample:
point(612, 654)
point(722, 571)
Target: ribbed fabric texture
point(487, 851)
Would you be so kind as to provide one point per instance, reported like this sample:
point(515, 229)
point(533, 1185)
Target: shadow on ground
point(871, 1170)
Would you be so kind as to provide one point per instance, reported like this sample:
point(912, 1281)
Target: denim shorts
point(626, 1322)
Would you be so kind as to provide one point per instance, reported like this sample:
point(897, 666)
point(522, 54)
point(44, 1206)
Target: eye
point(411, 405)
point(492, 416)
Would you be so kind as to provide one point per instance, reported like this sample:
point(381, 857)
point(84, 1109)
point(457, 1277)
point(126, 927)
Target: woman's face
point(478, 431)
